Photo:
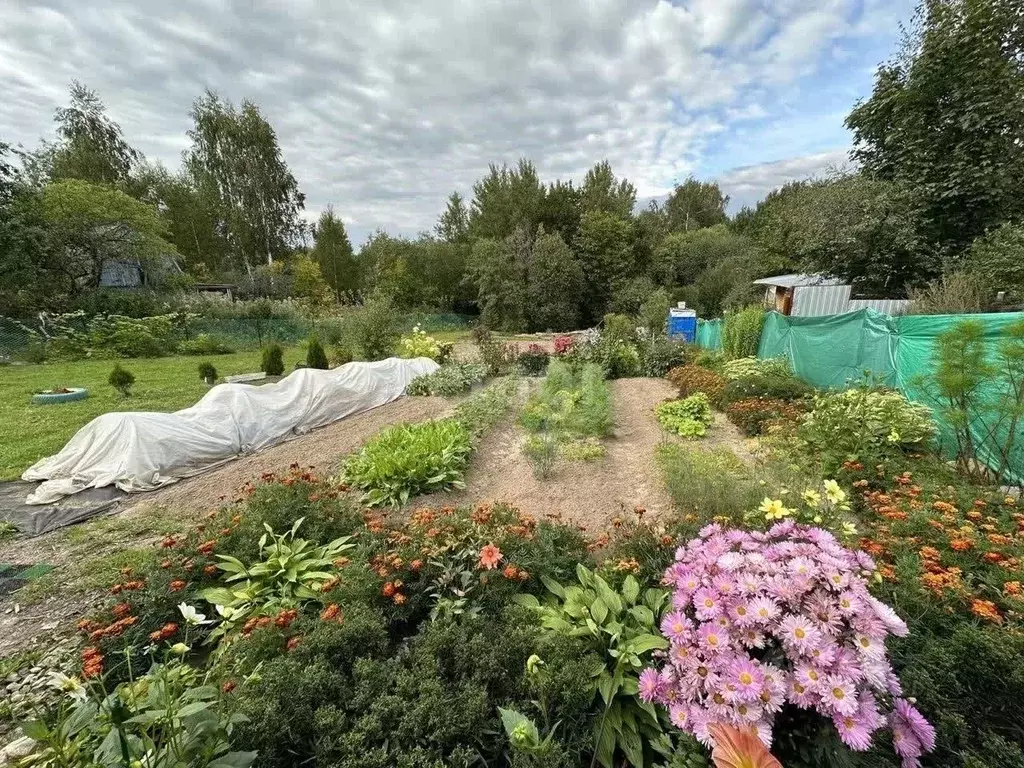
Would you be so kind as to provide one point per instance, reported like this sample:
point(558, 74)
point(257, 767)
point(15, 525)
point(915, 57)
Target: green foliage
point(207, 372)
point(542, 451)
point(661, 354)
point(122, 380)
point(954, 293)
point(708, 483)
point(273, 359)
point(290, 571)
point(485, 409)
point(168, 717)
point(621, 628)
point(315, 355)
point(588, 449)
point(741, 332)
point(862, 425)
point(419, 344)
point(499, 358)
point(408, 460)
point(602, 246)
point(332, 251)
point(653, 313)
point(534, 361)
point(578, 404)
point(555, 283)
point(689, 417)
point(744, 367)
point(945, 120)
point(694, 205)
point(448, 380)
point(91, 145)
point(770, 386)
point(375, 331)
point(204, 344)
point(997, 261)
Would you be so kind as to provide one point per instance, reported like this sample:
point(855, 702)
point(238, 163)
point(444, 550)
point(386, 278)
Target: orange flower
point(511, 572)
point(929, 553)
point(490, 556)
point(331, 612)
point(388, 589)
point(961, 545)
point(293, 642)
point(415, 565)
point(121, 610)
point(207, 546)
point(986, 609)
point(399, 598)
point(1012, 588)
point(210, 570)
point(177, 585)
point(228, 686)
point(993, 557)
point(739, 749)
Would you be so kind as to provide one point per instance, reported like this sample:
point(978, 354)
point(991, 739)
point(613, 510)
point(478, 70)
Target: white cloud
point(747, 185)
point(382, 110)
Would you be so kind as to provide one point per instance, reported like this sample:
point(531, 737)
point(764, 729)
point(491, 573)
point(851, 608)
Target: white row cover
point(143, 451)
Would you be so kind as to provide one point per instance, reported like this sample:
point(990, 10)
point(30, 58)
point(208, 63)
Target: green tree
point(505, 200)
point(601, 191)
point(682, 256)
point(946, 119)
point(695, 204)
point(90, 145)
point(998, 260)
point(499, 270)
point(333, 252)
point(555, 284)
point(90, 224)
point(236, 163)
point(453, 226)
point(309, 285)
point(604, 249)
point(560, 210)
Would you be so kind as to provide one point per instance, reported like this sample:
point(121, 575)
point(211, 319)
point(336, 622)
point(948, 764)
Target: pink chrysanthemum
point(650, 685)
point(707, 603)
point(676, 626)
point(799, 633)
point(907, 715)
point(838, 695)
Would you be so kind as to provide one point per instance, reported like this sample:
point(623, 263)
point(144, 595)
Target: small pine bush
point(273, 359)
point(121, 380)
point(741, 332)
point(207, 372)
point(315, 355)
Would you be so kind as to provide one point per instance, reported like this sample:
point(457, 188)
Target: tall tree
point(604, 251)
point(453, 226)
point(505, 200)
point(695, 204)
point(499, 269)
point(555, 285)
point(601, 191)
point(90, 145)
point(333, 252)
point(560, 210)
point(946, 119)
point(235, 161)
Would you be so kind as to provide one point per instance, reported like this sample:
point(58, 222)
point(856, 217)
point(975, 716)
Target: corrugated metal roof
point(797, 281)
point(817, 300)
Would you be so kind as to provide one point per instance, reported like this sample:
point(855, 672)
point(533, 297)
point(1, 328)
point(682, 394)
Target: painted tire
point(76, 393)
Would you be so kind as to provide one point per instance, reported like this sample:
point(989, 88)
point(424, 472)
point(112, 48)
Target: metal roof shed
point(812, 295)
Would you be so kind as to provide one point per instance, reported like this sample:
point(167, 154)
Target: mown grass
point(29, 432)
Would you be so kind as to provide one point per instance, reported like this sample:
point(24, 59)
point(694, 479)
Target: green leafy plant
point(375, 331)
point(542, 451)
point(708, 483)
point(121, 380)
point(315, 355)
point(863, 425)
point(691, 379)
point(273, 359)
point(588, 449)
point(204, 344)
point(770, 386)
point(741, 332)
point(621, 627)
point(408, 460)
point(745, 367)
point(169, 717)
point(534, 361)
point(207, 372)
point(290, 571)
point(689, 417)
point(448, 380)
point(660, 354)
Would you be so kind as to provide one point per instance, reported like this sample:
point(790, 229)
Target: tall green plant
point(741, 332)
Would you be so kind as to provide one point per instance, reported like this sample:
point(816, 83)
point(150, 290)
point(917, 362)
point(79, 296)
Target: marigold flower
point(986, 609)
point(490, 556)
point(176, 586)
point(399, 598)
point(1012, 588)
point(388, 589)
point(330, 612)
point(293, 642)
point(121, 610)
point(228, 686)
point(415, 565)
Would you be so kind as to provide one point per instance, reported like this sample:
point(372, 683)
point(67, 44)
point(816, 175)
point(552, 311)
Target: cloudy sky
point(384, 108)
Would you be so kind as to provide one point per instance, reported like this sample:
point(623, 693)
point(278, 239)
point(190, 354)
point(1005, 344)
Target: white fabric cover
point(143, 451)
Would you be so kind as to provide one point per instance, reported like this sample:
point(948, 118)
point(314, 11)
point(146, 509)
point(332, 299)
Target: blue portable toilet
point(682, 323)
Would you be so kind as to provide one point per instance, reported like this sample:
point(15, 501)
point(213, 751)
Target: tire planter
point(47, 398)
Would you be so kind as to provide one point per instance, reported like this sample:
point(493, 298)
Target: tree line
point(935, 199)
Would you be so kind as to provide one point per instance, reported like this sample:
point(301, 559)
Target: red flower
point(330, 612)
point(177, 585)
point(228, 686)
point(388, 589)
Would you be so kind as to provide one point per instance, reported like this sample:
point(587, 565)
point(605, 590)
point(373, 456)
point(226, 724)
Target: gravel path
point(587, 494)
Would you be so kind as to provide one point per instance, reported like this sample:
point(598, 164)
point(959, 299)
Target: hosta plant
point(291, 571)
point(408, 460)
point(621, 627)
point(689, 417)
point(762, 621)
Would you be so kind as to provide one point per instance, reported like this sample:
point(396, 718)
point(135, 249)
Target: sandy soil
point(585, 493)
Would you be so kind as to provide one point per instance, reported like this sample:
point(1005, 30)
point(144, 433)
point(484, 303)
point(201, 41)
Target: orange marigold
point(986, 609)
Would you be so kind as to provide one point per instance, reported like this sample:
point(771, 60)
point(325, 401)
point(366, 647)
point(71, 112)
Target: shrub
point(534, 361)
point(408, 460)
point(273, 359)
point(620, 359)
point(660, 354)
point(419, 344)
point(772, 387)
point(741, 332)
point(499, 358)
point(121, 380)
point(744, 367)
point(709, 483)
point(204, 344)
point(375, 329)
point(619, 328)
point(862, 425)
point(315, 355)
point(689, 417)
point(207, 372)
point(752, 414)
point(448, 380)
point(691, 379)
point(563, 345)
point(542, 451)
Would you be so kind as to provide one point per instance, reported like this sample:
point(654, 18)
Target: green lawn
point(29, 432)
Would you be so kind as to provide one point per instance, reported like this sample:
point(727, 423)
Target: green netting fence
point(835, 351)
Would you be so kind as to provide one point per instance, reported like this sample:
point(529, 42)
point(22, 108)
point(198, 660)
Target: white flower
point(192, 616)
point(226, 611)
point(72, 686)
point(180, 649)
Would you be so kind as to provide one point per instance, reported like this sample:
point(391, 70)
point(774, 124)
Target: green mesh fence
point(709, 334)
